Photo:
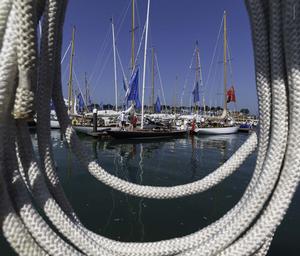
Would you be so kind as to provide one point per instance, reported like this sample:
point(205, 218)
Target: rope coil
point(29, 81)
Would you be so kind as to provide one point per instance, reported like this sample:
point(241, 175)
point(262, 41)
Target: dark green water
point(167, 162)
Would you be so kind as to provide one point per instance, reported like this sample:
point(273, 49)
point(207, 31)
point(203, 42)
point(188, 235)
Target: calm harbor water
point(165, 163)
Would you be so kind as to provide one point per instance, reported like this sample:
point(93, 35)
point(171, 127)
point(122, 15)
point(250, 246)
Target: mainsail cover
point(133, 90)
point(157, 105)
point(196, 93)
point(80, 105)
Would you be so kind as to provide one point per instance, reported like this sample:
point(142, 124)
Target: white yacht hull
point(217, 130)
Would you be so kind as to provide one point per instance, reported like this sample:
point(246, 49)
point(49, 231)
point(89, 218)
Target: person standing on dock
point(134, 121)
point(193, 126)
point(122, 119)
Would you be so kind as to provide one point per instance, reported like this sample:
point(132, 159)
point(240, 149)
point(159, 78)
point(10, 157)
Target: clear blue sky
point(175, 25)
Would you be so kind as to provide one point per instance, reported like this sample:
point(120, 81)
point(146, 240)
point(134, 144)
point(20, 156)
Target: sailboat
point(133, 96)
point(193, 113)
point(221, 124)
point(70, 102)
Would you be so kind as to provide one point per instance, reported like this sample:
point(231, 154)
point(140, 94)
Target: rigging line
point(138, 14)
point(201, 73)
point(139, 48)
point(122, 68)
point(65, 71)
point(215, 72)
point(184, 90)
point(141, 40)
point(160, 80)
point(105, 42)
point(110, 51)
point(63, 58)
point(231, 69)
point(78, 85)
point(100, 53)
point(230, 62)
point(216, 80)
point(120, 26)
point(214, 54)
point(123, 19)
point(150, 35)
point(102, 71)
point(187, 78)
point(139, 23)
point(140, 45)
point(209, 91)
point(143, 32)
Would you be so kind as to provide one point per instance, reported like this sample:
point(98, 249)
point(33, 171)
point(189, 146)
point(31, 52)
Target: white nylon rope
point(26, 53)
point(12, 227)
point(265, 200)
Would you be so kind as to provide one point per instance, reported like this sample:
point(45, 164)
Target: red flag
point(231, 95)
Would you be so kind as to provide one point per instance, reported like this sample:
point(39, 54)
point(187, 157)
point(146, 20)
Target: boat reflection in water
point(165, 162)
point(220, 144)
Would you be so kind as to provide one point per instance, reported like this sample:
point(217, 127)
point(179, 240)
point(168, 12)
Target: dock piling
point(95, 120)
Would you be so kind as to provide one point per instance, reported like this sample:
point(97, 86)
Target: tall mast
point(153, 79)
point(225, 61)
point(175, 94)
point(197, 69)
point(132, 36)
point(70, 87)
point(145, 63)
point(197, 62)
point(200, 77)
point(86, 91)
point(115, 64)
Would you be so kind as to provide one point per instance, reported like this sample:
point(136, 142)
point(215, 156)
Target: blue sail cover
point(196, 93)
point(80, 105)
point(133, 94)
point(138, 104)
point(157, 105)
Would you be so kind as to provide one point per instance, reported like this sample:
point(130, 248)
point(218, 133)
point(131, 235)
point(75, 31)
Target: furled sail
point(157, 105)
point(133, 91)
point(196, 93)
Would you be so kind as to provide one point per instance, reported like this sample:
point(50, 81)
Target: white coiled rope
point(29, 79)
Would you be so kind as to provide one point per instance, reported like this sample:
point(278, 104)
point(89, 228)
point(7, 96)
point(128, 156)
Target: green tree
point(245, 111)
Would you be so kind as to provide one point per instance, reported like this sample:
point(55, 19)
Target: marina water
point(164, 163)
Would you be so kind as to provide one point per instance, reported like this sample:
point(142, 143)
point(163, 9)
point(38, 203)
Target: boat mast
point(152, 102)
point(197, 70)
point(175, 96)
point(201, 80)
point(132, 37)
point(225, 62)
point(145, 63)
point(115, 63)
point(86, 91)
point(70, 87)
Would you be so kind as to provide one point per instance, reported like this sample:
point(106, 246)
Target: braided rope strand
point(28, 187)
